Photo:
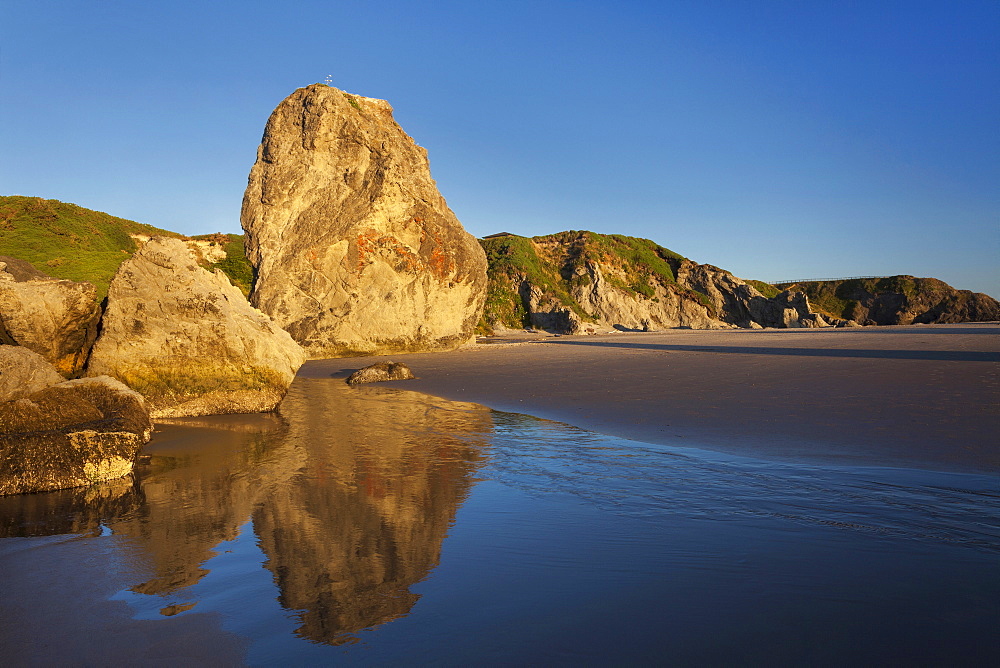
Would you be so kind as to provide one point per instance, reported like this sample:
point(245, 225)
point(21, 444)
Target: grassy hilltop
point(71, 242)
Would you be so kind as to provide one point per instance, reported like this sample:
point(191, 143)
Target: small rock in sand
point(379, 372)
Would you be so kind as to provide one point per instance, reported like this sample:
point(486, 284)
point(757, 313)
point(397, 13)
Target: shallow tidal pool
point(378, 526)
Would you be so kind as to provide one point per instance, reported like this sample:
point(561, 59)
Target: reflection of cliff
point(199, 487)
point(385, 472)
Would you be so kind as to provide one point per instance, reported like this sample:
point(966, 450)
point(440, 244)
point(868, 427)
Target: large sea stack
point(355, 249)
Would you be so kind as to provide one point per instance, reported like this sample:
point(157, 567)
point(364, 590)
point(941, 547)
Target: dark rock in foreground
point(72, 434)
point(379, 372)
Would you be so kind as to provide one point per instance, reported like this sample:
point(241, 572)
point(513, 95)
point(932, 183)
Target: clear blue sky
point(776, 139)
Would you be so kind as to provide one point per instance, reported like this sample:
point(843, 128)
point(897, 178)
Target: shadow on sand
point(930, 355)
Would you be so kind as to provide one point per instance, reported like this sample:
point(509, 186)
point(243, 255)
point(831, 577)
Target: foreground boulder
point(187, 340)
point(355, 249)
point(24, 372)
point(75, 433)
point(380, 372)
point(57, 319)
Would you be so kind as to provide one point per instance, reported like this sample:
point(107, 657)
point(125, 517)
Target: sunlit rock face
point(355, 249)
point(55, 318)
point(23, 372)
point(187, 340)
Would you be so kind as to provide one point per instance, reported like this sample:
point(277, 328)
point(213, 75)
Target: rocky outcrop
point(667, 307)
point(575, 282)
point(738, 303)
point(187, 340)
point(897, 300)
point(24, 372)
point(785, 310)
point(355, 249)
point(75, 433)
point(382, 371)
point(55, 318)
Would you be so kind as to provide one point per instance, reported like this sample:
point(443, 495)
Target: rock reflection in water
point(385, 471)
point(79, 510)
point(351, 492)
point(199, 486)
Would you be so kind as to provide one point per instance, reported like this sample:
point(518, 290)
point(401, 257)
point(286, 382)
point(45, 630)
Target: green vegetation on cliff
point(235, 265)
point(842, 299)
point(637, 260)
point(512, 260)
point(68, 241)
point(765, 289)
point(554, 264)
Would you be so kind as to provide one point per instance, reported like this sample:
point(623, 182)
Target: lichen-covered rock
point(355, 249)
point(187, 340)
point(23, 372)
point(381, 371)
point(71, 434)
point(55, 318)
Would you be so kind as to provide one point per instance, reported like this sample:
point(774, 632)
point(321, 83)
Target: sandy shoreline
point(923, 396)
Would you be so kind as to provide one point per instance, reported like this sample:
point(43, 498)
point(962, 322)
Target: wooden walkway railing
point(816, 280)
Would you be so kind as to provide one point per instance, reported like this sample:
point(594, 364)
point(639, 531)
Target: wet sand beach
point(923, 396)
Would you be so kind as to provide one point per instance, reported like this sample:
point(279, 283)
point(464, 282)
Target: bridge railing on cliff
point(817, 280)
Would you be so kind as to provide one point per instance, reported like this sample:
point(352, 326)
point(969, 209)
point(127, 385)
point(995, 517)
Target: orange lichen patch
point(441, 263)
point(314, 259)
point(371, 244)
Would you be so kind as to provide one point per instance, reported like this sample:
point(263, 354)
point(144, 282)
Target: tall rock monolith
point(355, 249)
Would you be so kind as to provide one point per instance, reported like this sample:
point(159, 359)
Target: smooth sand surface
point(922, 396)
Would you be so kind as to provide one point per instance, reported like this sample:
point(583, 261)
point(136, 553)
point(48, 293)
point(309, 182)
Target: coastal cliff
point(576, 281)
point(355, 249)
point(898, 300)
